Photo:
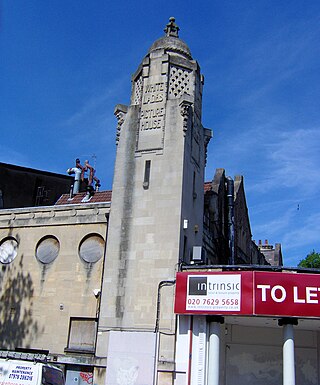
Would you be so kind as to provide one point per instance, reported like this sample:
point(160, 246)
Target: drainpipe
point(214, 349)
point(161, 284)
point(289, 377)
point(156, 329)
point(230, 202)
point(77, 176)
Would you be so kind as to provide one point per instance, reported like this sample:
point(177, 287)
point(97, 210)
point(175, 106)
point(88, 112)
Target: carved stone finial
point(171, 28)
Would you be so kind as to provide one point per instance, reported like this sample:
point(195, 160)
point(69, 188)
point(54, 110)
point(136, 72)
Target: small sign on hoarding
point(213, 293)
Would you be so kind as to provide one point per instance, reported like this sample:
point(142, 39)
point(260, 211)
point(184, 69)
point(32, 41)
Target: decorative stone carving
point(171, 28)
point(179, 82)
point(185, 109)
point(207, 137)
point(120, 113)
point(137, 95)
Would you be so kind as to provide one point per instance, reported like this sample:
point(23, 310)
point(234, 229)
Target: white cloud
point(296, 158)
point(10, 156)
point(306, 233)
point(88, 109)
point(290, 160)
point(100, 104)
point(277, 225)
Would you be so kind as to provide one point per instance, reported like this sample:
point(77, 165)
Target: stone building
point(94, 282)
point(157, 210)
point(52, 261)
point(272, 254)
point(227, 237)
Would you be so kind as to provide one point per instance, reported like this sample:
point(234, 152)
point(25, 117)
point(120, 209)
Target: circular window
point(91, 248)
point(8, 250)
point(47, 249)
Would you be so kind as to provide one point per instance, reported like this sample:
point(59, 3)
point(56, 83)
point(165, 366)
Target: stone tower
point(157, 195)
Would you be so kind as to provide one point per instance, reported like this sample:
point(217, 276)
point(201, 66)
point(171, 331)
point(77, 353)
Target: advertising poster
point(214, 292)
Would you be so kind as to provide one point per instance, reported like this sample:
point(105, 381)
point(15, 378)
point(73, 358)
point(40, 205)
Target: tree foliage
point(312, 260)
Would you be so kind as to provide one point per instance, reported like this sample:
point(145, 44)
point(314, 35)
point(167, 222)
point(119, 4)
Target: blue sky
point(66, 64)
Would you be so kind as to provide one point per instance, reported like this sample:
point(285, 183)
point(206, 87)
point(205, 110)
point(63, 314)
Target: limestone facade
point(157, 188)
point(51, 270)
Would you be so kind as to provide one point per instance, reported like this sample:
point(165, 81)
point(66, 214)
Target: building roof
point(98, 197)
point(207, 186)
point(22, 169)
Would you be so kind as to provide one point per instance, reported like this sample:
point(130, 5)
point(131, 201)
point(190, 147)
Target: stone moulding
point(185, 109)
point(120, 113)
point(50, 215)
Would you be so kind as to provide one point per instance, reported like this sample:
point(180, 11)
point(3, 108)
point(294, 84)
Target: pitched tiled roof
point(207, 186)
point(98, 197)
point(101, 197)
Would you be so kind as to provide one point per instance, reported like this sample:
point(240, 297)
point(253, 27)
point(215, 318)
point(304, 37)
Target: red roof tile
point(101, 196)
point(98, 197)
point(207, 186)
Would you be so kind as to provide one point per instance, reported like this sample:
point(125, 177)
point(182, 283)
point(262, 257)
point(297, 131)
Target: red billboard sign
point(248, 293)
point(287, 294)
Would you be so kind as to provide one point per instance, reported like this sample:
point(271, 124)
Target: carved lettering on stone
point(152, 115)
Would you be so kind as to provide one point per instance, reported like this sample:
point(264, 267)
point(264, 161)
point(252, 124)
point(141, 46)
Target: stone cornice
point(54, 215)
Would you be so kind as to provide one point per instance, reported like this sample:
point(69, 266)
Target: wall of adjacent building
point(38, 299)
point(216, 233)
point(26, 187)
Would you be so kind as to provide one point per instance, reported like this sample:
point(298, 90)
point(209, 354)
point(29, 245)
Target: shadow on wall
point(16, 301)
